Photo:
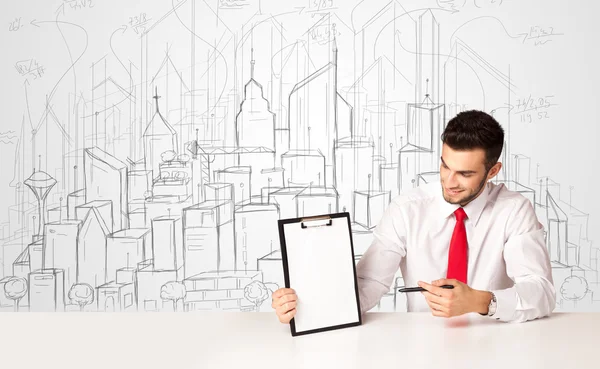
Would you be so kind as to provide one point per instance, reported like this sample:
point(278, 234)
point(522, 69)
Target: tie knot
point(460, 214)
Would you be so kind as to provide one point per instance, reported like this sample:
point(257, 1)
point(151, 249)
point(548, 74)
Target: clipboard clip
point(316, 222)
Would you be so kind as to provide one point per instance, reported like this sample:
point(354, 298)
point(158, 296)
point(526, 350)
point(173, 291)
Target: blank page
point(321, 271)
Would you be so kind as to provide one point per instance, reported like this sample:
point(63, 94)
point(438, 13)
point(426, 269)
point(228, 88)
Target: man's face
point(463, 174)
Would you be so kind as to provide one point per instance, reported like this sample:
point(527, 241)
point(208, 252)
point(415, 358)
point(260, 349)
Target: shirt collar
point(473, 209)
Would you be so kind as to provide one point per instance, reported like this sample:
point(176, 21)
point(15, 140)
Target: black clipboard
point(310, 261)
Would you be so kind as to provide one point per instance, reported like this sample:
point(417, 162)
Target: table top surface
point(259, 340)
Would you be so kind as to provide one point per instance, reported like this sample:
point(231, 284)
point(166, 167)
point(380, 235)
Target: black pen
point(421, 289)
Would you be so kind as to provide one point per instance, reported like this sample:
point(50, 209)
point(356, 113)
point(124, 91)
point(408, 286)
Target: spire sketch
point(41, 184)
point(159, 137)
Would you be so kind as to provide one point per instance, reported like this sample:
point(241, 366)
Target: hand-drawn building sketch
point(149, 155)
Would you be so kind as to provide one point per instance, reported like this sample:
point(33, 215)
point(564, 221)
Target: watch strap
point(492, 306)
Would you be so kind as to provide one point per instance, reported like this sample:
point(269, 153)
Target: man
point(477, 236)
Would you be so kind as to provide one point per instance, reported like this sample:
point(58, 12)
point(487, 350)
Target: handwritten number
point(322, 4)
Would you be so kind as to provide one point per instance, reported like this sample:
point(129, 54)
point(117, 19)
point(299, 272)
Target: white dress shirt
point(507, 252)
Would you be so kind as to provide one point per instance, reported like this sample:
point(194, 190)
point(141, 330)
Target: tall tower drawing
point(41, 184)
point(159, 137)
point(313, 113)
point(428, 57)
point(425, 120)
point(255, 123)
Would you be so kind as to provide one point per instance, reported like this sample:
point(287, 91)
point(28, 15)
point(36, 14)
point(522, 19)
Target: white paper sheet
point(321, 271)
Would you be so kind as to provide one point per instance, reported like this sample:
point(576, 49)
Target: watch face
point(492, 306)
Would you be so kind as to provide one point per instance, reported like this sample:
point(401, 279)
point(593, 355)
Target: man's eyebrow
point(460, 171)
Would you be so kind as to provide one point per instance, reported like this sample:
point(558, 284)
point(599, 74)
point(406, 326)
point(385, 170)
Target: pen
point(421, 289)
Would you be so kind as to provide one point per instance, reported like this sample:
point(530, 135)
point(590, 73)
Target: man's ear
point(494, 170)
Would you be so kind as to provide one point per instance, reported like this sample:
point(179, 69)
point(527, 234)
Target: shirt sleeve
point(376, 268)
point(528, 264)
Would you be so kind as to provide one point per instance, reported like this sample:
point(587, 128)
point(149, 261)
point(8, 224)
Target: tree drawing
point(14, 289)
point(82, 294)
point(173, 291)
point(257, 292)
point(184, 158)
point(574, 288)
point(168, 156)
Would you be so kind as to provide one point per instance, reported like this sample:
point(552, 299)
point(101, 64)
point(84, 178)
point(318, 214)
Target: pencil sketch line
point(213, 48)
point(51, 95)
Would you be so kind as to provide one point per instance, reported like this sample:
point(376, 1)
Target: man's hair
point(475, 129)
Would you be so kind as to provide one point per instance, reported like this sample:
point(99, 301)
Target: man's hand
point(284, 303)
point(460, 300)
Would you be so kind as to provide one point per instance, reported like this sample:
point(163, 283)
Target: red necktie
point(458, 254)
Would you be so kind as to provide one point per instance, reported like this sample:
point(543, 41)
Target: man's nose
point(451, 181)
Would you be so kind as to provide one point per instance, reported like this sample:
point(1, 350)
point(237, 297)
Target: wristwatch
point(492, 305)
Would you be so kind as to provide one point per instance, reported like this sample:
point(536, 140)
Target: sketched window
point(198, 240)
point(150, 305)
point(128, 300)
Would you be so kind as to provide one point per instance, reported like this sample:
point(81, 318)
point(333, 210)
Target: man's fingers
point(288, 298)
point(285, 318)
point(436, 302)
point(437, 299)
point(286, 307)
point(439, 291)
point(437, 310)
point(284, 303)
point(439, 313)
point(443, 281)
point(430, 305)
point(438, 307)
point(284, 299)
point(429, 287)
point(282, 291)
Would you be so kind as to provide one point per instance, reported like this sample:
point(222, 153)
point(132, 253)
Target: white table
point(257, 340)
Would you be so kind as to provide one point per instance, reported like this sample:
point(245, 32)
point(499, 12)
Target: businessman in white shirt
point(479, 237)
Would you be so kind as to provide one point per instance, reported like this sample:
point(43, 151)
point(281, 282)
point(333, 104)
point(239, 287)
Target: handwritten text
point(30, 69)
point(15, 25)
point(540, 35)
point(323, 34)
point(532, 109)
point(138, 23)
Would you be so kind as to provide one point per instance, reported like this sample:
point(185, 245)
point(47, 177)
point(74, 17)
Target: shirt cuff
point(506, 304)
